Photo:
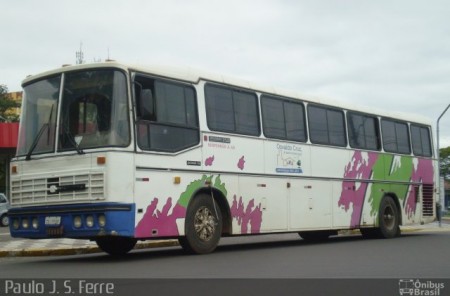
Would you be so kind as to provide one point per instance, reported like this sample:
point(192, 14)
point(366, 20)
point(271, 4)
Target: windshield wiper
point(41, 131)
point(36, 140)
point(71, 140)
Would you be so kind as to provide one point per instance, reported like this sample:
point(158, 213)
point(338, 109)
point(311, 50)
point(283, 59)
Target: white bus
point(116, 154)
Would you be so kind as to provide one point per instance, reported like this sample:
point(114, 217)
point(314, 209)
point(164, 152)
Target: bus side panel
point(287, 159)
point(260, 205)
point(162, 202)
point(392, 174)
point(310, 204)
point(162, 193)
point(119, 176)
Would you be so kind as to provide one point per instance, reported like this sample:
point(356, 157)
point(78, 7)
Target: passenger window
point(167, 115)
point(283, 119)
point(326, 126)
point(395, 136)
point(363, 131)
point(421, 143)
point(231, 110)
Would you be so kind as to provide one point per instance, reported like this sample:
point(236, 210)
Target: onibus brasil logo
point(420, 287)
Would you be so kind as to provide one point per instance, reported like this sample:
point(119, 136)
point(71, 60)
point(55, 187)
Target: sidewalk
point(66, 246)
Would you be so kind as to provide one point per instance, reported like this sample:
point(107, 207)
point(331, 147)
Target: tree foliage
point(6, 105)
point(445, 152)
point(445, 162)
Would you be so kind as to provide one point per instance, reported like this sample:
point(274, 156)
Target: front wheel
point(203, 226)
point(116, 246)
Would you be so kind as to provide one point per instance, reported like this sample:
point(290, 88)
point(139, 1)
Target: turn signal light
point(101, 160)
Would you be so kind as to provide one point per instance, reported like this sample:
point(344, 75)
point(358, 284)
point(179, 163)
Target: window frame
point(377, 130)
point(283, 100)
point(327, 108)
point(150, 123)
point(408, 132)
point(421, 126)
point(233, 90)
point(127, 100)
point(22, 128)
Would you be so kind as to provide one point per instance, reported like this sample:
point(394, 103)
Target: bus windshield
point(94, 113)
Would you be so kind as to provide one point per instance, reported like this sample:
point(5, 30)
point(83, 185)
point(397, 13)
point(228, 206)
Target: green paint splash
point(390, 169)
point(196, 185)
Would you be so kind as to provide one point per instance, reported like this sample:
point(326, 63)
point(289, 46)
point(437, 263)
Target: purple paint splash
point(209, 161)
point(241, 163)
point(358, 168)
point(252, 215)
point(161, 221)
point(423, 173)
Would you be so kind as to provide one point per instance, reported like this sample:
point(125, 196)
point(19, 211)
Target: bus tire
point(320, 235)
point(203, 226)
point(116, 246)
point(388, 218)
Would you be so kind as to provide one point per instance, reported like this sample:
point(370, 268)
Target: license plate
point(53, 220)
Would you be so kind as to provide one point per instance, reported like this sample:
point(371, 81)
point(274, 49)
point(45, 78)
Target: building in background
point(8, 144)
point(8, 141)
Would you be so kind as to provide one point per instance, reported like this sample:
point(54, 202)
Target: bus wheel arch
point(224, 207)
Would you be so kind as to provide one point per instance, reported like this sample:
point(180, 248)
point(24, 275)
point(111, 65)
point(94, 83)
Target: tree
point(445, 162)
point(6, 105)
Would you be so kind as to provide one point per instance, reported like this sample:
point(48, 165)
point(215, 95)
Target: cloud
point(385, 54)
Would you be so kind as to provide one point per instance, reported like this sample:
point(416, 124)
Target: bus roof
point(192, 75)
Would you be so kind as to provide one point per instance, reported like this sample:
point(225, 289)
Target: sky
point(385, 54)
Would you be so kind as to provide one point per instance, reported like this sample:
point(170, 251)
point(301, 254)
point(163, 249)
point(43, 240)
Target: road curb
point(403, 230)
point(80, 250)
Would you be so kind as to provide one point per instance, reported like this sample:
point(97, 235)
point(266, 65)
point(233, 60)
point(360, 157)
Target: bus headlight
point(16, 224)
point(90, 221)
point(35, 223)
point(25, 223)
point(77, 221)
point(102, 220)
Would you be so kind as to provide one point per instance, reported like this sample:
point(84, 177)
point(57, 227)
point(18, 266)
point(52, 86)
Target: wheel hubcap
point(205, 224)
point(389, 218)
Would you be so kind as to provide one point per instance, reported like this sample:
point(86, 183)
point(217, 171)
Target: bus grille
point(427, 204)
point(39, 190)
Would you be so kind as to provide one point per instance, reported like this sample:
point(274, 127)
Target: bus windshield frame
point(73, 111)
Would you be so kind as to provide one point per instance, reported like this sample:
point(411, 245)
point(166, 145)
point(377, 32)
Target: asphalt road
point(413, 255)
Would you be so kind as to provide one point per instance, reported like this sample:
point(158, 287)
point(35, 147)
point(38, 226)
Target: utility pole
point(442, 198)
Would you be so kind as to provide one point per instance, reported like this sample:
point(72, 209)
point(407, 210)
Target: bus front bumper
point(73, 221)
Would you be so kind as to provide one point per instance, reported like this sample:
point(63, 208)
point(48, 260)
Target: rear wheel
point(388, 218)
point(203, 226)
point(116, 246)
